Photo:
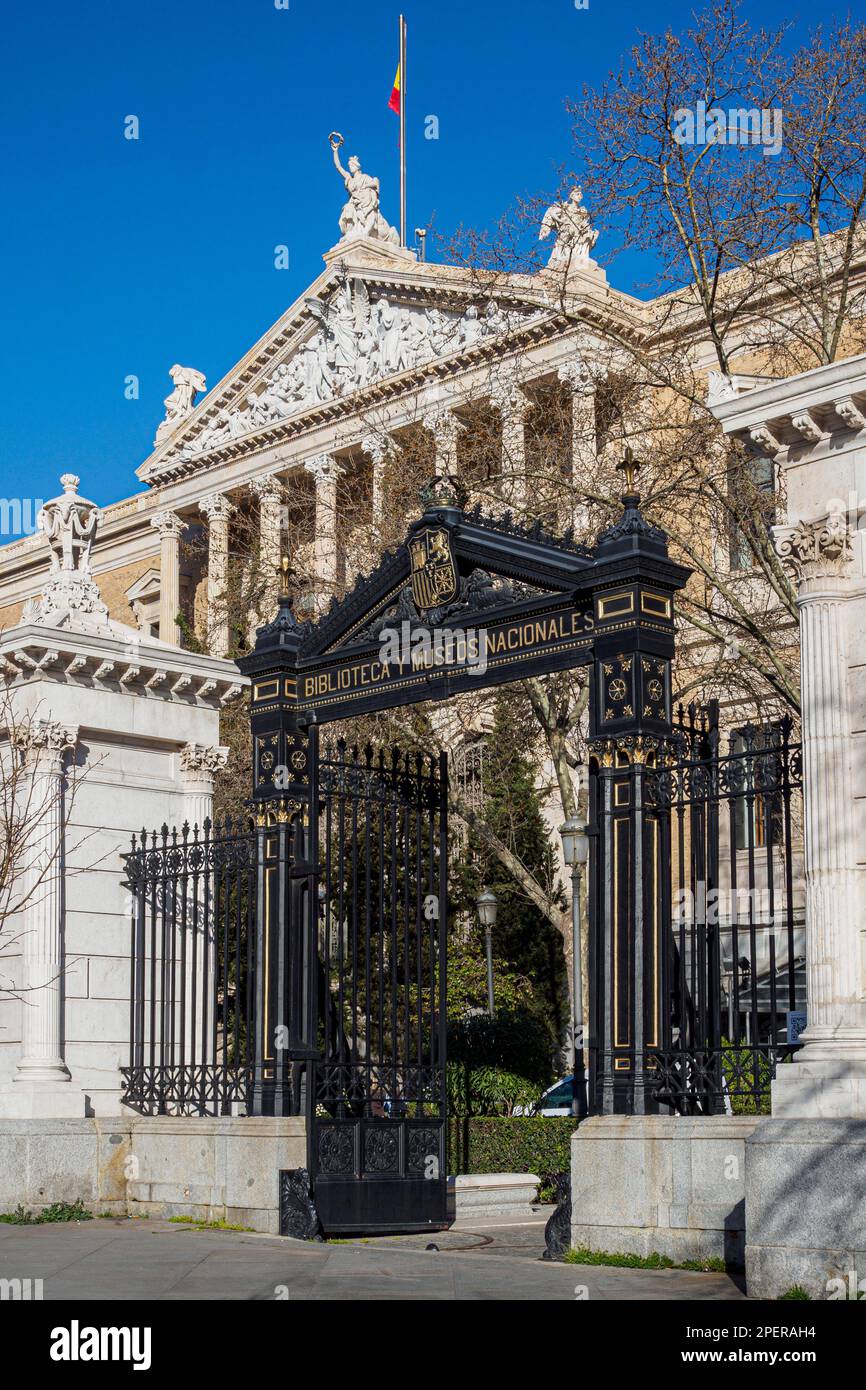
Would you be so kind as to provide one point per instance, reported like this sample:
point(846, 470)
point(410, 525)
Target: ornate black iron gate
point(699, 839)
point(192, 953)
point(377, 1140)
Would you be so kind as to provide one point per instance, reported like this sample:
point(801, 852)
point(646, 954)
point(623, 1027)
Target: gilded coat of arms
point(434, 573)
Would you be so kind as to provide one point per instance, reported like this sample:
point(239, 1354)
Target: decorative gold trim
point(622, 823)
point(657, 605)
point(266, 690)
point(607, 602)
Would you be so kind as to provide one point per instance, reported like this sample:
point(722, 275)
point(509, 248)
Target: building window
point(757, 812)
point(752, 500)
point(467, 765)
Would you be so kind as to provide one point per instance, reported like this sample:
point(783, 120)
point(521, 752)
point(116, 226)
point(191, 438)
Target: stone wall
point(224, 1169)
point(667, 1185)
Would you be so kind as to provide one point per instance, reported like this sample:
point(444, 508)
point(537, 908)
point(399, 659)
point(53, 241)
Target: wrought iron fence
point(193, 940)
point(724, 818)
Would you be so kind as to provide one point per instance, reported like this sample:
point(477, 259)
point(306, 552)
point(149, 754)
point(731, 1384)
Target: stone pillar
point(218, 510)
point(578, 380)
point(513, 406)
point(829, 1075)
point(446, 430)
point(198, 763)
point(375, 446)
point(41, 1069)
point(269, 491)
point(170, 528)
point(327, 473)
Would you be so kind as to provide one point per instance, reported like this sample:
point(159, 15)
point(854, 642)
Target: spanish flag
point(394, 99)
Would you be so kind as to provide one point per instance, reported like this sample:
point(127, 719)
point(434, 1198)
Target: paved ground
point(125, 1260)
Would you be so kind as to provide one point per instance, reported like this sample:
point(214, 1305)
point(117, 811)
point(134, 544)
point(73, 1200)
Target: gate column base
point(659, 1184)
point(805, 1212)
point(815, 1088)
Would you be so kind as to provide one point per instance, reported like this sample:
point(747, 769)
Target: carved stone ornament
point(506, 393)
point(357, 340)
point(201, 760)
point(71, 593)
point(180, 402)
point(850, 413)
point(819, 549)
point(46, 741)
point(325, 469)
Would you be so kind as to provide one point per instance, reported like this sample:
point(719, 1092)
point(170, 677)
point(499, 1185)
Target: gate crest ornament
point(433, 569)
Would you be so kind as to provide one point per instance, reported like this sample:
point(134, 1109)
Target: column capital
point(443, 424)
point(46, 741)
point(820, 549)
point(268, 488)
point(217, 507)
point(202, 758)
point(506, 390)
point(167, 523)
point(577, 375)
point(376, 446)
point(324, 468)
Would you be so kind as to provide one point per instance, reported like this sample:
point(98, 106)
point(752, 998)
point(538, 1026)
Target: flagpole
point(402, 131)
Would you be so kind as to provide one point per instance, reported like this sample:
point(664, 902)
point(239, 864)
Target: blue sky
point(120, 257)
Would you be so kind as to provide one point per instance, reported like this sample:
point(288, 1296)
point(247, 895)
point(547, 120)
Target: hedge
point(510, 1144)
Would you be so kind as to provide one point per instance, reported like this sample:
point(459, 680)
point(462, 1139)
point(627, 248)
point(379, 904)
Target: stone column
point(327, 473)
point(42, 1070)
point(513, 406)
point(198, 763)
point(578, 380)
point(446, 430)
point(375, 446)
point(269, 491)
point(830, 1073)
point(170, 528)
point(218, 510)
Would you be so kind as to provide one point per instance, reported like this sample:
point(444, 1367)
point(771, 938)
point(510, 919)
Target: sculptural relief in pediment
point(359, 339)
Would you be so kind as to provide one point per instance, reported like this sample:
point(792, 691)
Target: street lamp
point(575, 851)
point(487, 905)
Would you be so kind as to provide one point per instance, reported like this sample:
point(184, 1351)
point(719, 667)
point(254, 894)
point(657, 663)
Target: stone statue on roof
point(360, 216)
point(575, 235)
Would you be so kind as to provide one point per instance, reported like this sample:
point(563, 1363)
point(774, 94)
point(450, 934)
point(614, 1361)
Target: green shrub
point(510, 1144)
point(747, 1070)
point(58, 1211)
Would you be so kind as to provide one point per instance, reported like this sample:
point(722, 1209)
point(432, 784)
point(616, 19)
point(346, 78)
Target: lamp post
point(575, 851)
point(487, 905)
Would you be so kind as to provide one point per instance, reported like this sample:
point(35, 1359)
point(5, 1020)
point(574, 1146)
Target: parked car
point(556, 1100)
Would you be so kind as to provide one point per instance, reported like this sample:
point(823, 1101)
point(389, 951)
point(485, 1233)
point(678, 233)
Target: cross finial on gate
point(630, 467)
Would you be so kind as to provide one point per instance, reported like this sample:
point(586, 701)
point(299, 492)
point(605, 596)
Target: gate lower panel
point(383, 1175)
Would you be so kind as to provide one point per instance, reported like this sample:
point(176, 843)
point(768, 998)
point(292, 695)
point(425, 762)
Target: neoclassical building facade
point(380, 349)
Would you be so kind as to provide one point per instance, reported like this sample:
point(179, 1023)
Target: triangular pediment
point(367, 320)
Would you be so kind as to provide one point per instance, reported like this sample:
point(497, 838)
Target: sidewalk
point(122, 1260)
